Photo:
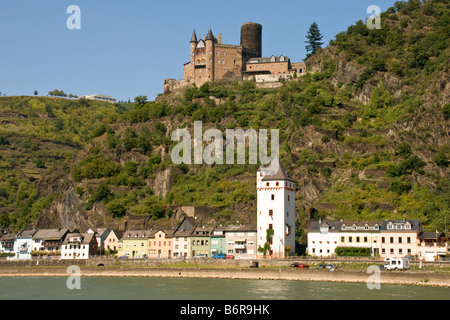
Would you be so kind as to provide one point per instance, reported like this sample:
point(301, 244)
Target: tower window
point(270, 214)
point(267, 184)
point(272, 197)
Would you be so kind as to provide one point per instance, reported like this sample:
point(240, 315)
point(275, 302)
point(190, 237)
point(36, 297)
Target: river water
point(117, 288)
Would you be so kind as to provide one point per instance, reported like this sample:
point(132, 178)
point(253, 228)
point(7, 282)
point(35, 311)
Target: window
point(399, 239)
point(383, 240)
point(365, 239)
point(391, 240)
point(277, 184)
point(270, 226)
point(270, 214)
point(272, 197)
point(408, 240)
point(357, 239)
point(267, 184)
point(342, 239)
point(350, 239)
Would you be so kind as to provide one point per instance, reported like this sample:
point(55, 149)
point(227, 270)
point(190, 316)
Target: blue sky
point(126, 48)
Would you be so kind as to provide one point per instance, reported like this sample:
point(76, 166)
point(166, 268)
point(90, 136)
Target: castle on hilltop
point(211, 60)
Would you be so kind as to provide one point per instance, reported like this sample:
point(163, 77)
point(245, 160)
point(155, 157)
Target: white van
point(397, 264)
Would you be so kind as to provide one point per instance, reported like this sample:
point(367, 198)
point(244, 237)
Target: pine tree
point(314, 39)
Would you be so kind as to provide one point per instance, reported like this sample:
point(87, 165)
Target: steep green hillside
point(365, 134)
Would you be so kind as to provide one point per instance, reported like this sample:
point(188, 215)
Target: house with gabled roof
point(49, 240)
point(160, 244)
point(23, 244)
point(79, 246)
point(134, 243)
point(399, 238)
point(181, 238)
point(323, 238)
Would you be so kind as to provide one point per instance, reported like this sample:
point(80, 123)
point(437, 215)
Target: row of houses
point(186, 241)
point(388, 238)
point(385, 239)
point(190, 241)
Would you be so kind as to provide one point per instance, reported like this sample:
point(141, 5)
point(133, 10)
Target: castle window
point(272, 197)
point(224, 53)
point(223, 62)
point(267, 184)
point(270, 213)
point(277, 183)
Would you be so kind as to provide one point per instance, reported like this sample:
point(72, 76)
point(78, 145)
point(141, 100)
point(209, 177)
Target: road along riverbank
point(422, 278)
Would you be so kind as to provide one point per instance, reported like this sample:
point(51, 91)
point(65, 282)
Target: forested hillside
point(365, 133)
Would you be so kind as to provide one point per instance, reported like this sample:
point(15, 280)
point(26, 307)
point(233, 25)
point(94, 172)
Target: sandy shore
point(423, 278)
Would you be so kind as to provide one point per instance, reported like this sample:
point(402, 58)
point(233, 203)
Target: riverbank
point(422, 278)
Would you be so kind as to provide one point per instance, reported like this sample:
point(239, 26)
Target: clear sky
point(127, 48)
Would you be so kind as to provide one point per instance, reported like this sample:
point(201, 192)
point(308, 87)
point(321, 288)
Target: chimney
point(220, 39)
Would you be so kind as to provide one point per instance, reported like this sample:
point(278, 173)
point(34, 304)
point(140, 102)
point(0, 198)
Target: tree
point(35, 92)
point(140, 101)
point(314, 39)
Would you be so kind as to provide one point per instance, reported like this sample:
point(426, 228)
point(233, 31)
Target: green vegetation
point(379, 159)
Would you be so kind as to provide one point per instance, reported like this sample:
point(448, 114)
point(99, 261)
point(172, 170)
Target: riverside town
point(275, 197)
point(201, 145)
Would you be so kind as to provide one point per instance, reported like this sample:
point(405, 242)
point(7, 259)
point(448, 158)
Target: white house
point(23, 244)
point(100, 234)
point(182, 238)
point(100, 97)
point(323, 238)
point(275, 209)
point(79, 246)
point(48, 240)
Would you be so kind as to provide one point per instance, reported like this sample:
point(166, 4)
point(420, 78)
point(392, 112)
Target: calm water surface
point(55, 288)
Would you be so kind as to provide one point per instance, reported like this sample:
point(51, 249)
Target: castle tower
point(193, 46)
point(209, 59)
point(251, 38)
point(275, 209)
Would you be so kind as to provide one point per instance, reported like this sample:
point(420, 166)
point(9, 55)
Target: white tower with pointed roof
point(275, 209)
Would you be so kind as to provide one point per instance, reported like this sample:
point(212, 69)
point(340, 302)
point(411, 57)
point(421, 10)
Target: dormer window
point(390, 226)
point(354, 227)
point(408, 226)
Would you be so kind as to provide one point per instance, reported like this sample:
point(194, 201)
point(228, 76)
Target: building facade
point(240, 242)
point(182, 238)
point(49, 240)
point(361, 234)
point(160, 244)
point(79, 246)
point(323, 238)
point(399, 238)
point(23, 244)
point(275, 210)
point(200, 242)
point(134, 243)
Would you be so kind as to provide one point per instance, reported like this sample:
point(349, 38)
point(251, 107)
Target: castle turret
point(193, 45)
point(209, 59)
point(251, 38)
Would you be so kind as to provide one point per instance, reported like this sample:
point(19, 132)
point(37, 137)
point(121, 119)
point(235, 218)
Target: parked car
point(123, 257)
point(331, 266)
point(219, 256)
point(321, 266)
point(299, 265)
point(410, 257)
point(200, 256)
point(230, 256)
